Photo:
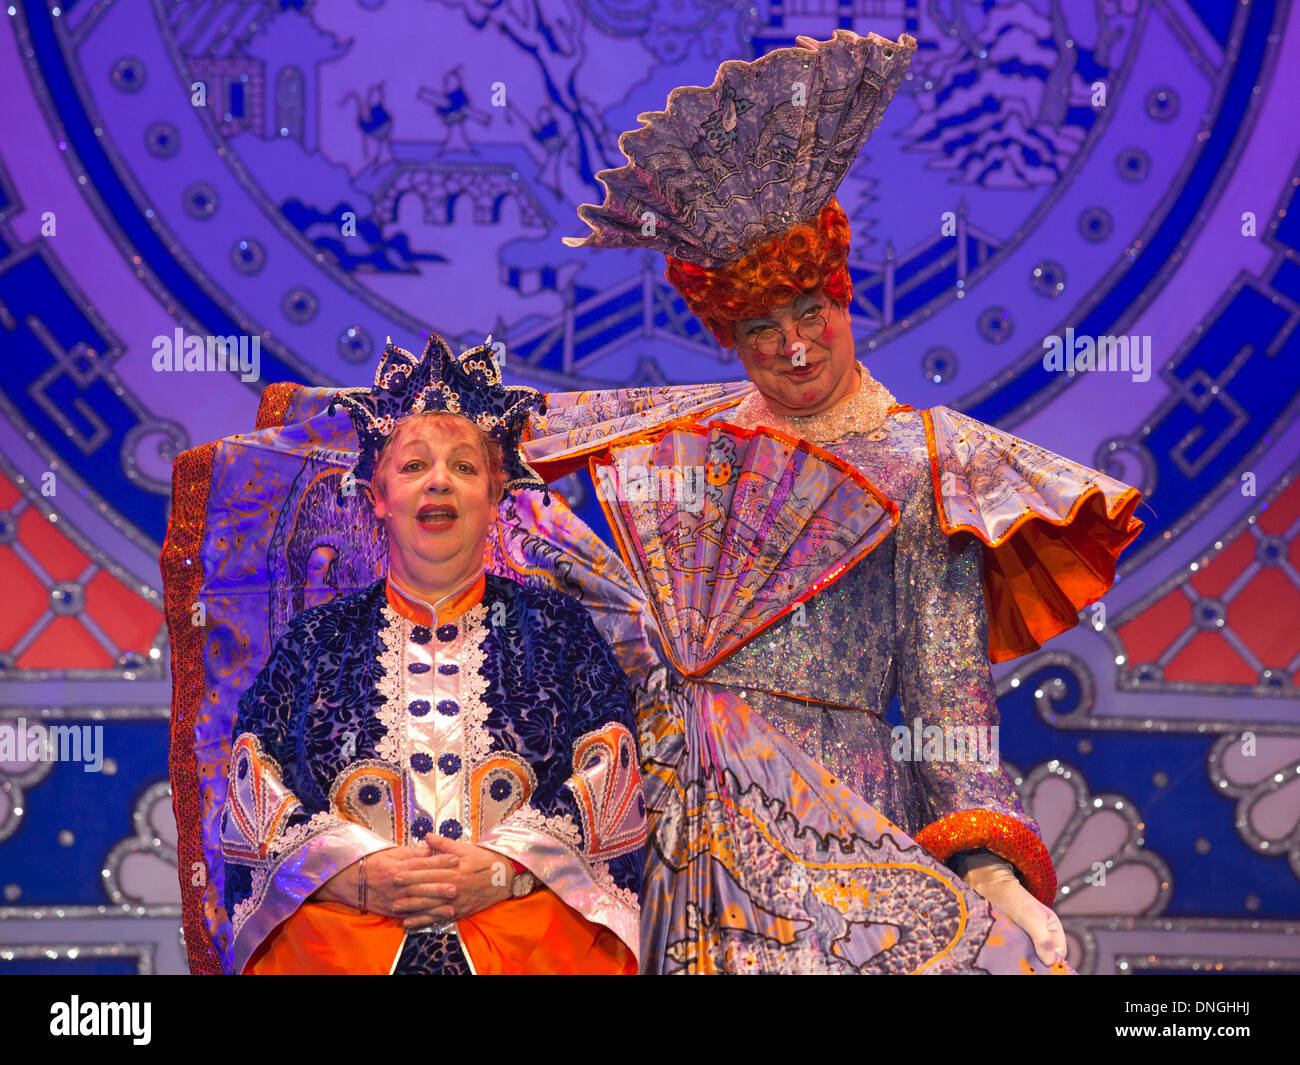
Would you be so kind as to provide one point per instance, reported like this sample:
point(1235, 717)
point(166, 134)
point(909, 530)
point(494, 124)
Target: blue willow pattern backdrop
point(313, 177)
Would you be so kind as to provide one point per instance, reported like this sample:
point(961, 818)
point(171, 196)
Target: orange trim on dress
point(329, 939)
point(274, 404)
point(418, 612)
point(1111, 513)
point(540, 935)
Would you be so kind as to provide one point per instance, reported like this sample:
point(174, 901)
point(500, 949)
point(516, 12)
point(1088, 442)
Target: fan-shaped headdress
point(759, 151)
point(468, 385)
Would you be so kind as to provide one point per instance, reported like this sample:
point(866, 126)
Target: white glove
point(996, 881)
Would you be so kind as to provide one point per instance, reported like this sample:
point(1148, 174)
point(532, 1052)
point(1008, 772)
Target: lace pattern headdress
point(468, 385)
point(759, 151)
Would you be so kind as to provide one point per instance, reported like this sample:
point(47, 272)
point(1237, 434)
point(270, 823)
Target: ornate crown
point(761, 150)
point(468, 384)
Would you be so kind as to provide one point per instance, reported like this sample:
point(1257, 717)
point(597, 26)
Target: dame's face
point(826, 376)
point(437, 499)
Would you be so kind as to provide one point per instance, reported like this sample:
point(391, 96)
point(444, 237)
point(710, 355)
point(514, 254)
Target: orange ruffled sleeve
point(1053, 529)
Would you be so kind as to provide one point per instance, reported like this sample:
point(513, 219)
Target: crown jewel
point(468, 385)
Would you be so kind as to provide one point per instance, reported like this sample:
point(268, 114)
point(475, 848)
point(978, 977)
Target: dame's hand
point(994, 880)
point(433, 892)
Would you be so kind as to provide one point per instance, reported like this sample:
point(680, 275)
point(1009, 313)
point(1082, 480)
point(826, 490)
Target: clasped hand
point(429, 883)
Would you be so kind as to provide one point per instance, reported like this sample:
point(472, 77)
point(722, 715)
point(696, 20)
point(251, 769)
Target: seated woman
point(436, 774)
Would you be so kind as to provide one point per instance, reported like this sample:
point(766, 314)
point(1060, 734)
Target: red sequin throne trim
point(275, 402)
point(181, 563)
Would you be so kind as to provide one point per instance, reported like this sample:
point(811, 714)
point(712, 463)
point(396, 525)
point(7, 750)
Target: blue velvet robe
point(327, 763)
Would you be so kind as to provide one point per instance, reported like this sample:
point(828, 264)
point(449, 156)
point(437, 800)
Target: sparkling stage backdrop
point(316, 176)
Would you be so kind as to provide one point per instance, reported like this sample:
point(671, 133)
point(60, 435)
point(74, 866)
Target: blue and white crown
point(468, 384)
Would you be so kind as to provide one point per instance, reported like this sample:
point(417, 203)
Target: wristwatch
point(523, 883)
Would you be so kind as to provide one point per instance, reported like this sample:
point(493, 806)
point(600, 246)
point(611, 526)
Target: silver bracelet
point(361, 886)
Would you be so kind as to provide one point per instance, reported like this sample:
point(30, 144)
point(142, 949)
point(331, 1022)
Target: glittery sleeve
point(277, 851)
point(949, 699)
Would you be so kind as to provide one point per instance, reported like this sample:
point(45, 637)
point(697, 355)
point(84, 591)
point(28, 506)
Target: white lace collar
point(856, 415)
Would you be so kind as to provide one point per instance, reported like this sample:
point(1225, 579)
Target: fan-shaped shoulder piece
point(1053, 529)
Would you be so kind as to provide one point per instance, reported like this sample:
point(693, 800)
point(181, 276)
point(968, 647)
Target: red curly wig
point(806, 257)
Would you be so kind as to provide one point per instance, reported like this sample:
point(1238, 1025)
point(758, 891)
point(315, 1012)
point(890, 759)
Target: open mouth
point(436, 516)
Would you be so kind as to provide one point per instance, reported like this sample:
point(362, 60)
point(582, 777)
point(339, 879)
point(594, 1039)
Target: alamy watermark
point(636, 483)
point(21, 742)
point(944, 743)
point(129, 1019)
point(1071, 354)
point(234, 354)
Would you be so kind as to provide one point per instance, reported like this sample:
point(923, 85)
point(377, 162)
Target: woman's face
point(826, 375)
point(436, 500)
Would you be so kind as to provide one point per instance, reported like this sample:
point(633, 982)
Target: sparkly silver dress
point(794, 826)
point(907, 622)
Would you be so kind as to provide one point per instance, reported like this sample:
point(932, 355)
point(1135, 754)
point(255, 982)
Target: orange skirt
point(537, 934)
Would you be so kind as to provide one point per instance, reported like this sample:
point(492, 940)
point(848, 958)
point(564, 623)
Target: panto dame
point(436, 774)
point(849, 549)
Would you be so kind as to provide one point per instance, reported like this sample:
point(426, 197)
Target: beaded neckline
point(859, 414)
